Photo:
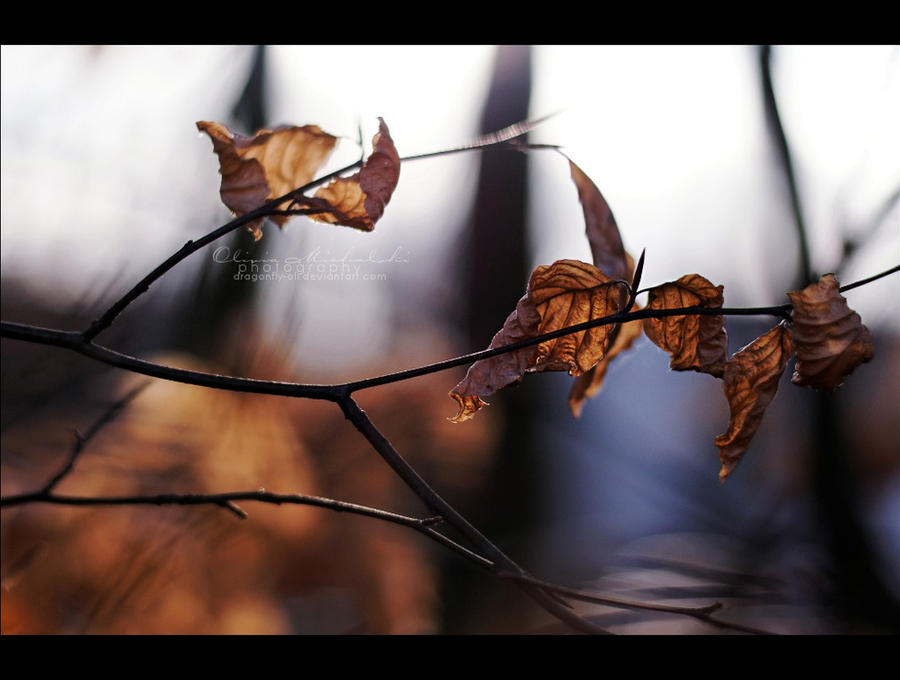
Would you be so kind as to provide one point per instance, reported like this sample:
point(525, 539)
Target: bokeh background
point(104, 175)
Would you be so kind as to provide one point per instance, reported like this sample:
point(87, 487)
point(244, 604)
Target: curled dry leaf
point(486, 376)
point(609, 256)
point(563, 294)
point(601, 229)
point(696, 343)
point(566, 293)
point(750, 382)
point(268, 165)
point(358, 201)
point(829, 337)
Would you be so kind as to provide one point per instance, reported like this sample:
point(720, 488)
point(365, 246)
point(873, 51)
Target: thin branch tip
point(236, 509)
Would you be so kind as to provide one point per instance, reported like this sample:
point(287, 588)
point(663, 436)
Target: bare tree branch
point(702, 613)
point(423, 525)
point(436, 504)
point(81, 440)
point(76, 342)
point(269, 208)
point(221, 499)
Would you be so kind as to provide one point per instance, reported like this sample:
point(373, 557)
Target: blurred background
point(104, 175)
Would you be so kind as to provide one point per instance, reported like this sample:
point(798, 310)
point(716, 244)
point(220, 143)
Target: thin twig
point(421, 525)
point(261, 496)
point(702, 613)
point(857, 284)
point(105, 320)
point(492, 139)
point(75, 341)
point(235, 508)
point(424, 525)
point(586, 596)
point(271, 208)
point(81, 440)
point(434, 502)
point(782, 311)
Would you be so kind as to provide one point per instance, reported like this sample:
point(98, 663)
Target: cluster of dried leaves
point(827, 337)
point(273, 163)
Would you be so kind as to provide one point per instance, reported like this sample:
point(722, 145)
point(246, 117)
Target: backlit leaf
point(750, 382)
point(609, 256)
point(696, 342)
point(486, 376)
point(563, 294)
point(829, 337)
point(358, 201)
point(269, 164)
point(600, 226)
point(566, 293)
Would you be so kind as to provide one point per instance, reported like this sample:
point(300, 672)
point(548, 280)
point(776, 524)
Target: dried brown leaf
point(588, 384)
point(486, 376)
point(268, 165)
point(566, 293)
point(750, 382)
point(696, 342)
point(829, 337)
point(609, 256)
point(563, 294)
point(358, 201)
point(601, 229)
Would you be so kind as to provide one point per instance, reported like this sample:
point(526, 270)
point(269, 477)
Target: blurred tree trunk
point(219, 300)
point(860, 595)
point(495, 253)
